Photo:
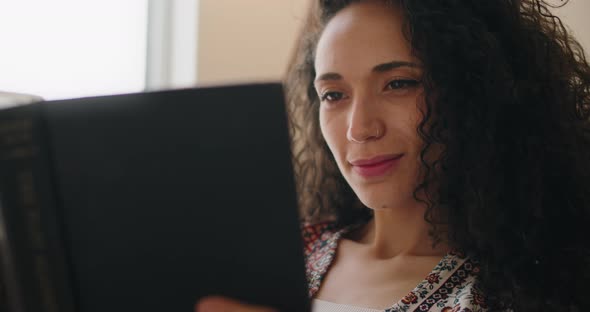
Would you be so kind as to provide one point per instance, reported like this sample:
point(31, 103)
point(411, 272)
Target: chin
point(377, 205)
point(384, 196)
point(377, 201)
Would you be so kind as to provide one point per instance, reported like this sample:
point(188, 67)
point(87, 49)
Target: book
point(150, 201)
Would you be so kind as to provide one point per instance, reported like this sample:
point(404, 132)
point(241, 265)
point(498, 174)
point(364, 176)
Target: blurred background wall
point(73, 48)
point(245, 40)
point(251, 40)
point(576, 15)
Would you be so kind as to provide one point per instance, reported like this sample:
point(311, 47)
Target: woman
point(449, 142)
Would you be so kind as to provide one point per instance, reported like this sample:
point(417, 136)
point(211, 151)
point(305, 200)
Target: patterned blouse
point(450, 287)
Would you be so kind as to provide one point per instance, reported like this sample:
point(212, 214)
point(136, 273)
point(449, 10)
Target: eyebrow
point(393, 65)
point(381, 68)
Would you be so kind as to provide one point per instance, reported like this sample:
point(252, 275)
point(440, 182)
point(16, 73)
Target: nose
point(365, 122)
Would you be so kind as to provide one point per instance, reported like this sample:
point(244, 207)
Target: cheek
point(327, 130)
point(333, 132)
point(413, 116)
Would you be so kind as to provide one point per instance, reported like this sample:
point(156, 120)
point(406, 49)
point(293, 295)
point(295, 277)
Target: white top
point(326, 306)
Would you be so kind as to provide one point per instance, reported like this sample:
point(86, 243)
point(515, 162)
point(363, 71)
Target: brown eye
point(332, 96)
point(398, 84)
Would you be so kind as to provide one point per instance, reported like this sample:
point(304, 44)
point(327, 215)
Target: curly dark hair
point(507, 94)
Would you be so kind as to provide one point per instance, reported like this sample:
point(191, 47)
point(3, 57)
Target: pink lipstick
point(376, 166)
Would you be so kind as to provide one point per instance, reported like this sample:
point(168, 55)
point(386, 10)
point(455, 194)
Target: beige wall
point(576, 15)
point(245, 40)
point(251, 40)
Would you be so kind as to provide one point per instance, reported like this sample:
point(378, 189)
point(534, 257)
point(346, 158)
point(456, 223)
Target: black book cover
point(32, 256)
point(147, 202)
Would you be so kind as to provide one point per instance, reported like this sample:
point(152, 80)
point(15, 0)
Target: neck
point(399, 232)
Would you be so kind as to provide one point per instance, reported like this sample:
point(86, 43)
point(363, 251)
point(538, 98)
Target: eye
point(401, 84)
point(331, 96)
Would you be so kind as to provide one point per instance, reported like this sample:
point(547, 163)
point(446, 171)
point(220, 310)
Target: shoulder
point(319, 246)
point(452, 286)
point(316, 233)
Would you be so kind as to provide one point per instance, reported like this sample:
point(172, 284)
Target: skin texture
point(371, 106)
point(367, 112)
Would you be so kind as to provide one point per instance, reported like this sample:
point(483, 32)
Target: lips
point(375, 160)
point(376, 166)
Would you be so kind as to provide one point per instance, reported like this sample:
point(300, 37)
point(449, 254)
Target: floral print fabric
point(450, 287)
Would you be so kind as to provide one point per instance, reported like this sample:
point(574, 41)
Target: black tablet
point(149, 201)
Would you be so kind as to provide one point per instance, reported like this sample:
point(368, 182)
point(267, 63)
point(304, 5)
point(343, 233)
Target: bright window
point(73, 48)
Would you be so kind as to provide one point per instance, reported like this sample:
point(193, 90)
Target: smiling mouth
point(376, 166)
point(375, 160)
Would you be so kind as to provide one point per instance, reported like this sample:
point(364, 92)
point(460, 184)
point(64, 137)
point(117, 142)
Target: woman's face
point(370, 90)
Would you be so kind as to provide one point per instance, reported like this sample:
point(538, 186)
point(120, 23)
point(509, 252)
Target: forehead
point(360, 36)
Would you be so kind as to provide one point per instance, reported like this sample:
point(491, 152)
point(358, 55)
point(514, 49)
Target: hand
point(222, 304)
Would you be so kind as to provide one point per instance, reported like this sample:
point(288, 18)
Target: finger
point(222, 304)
